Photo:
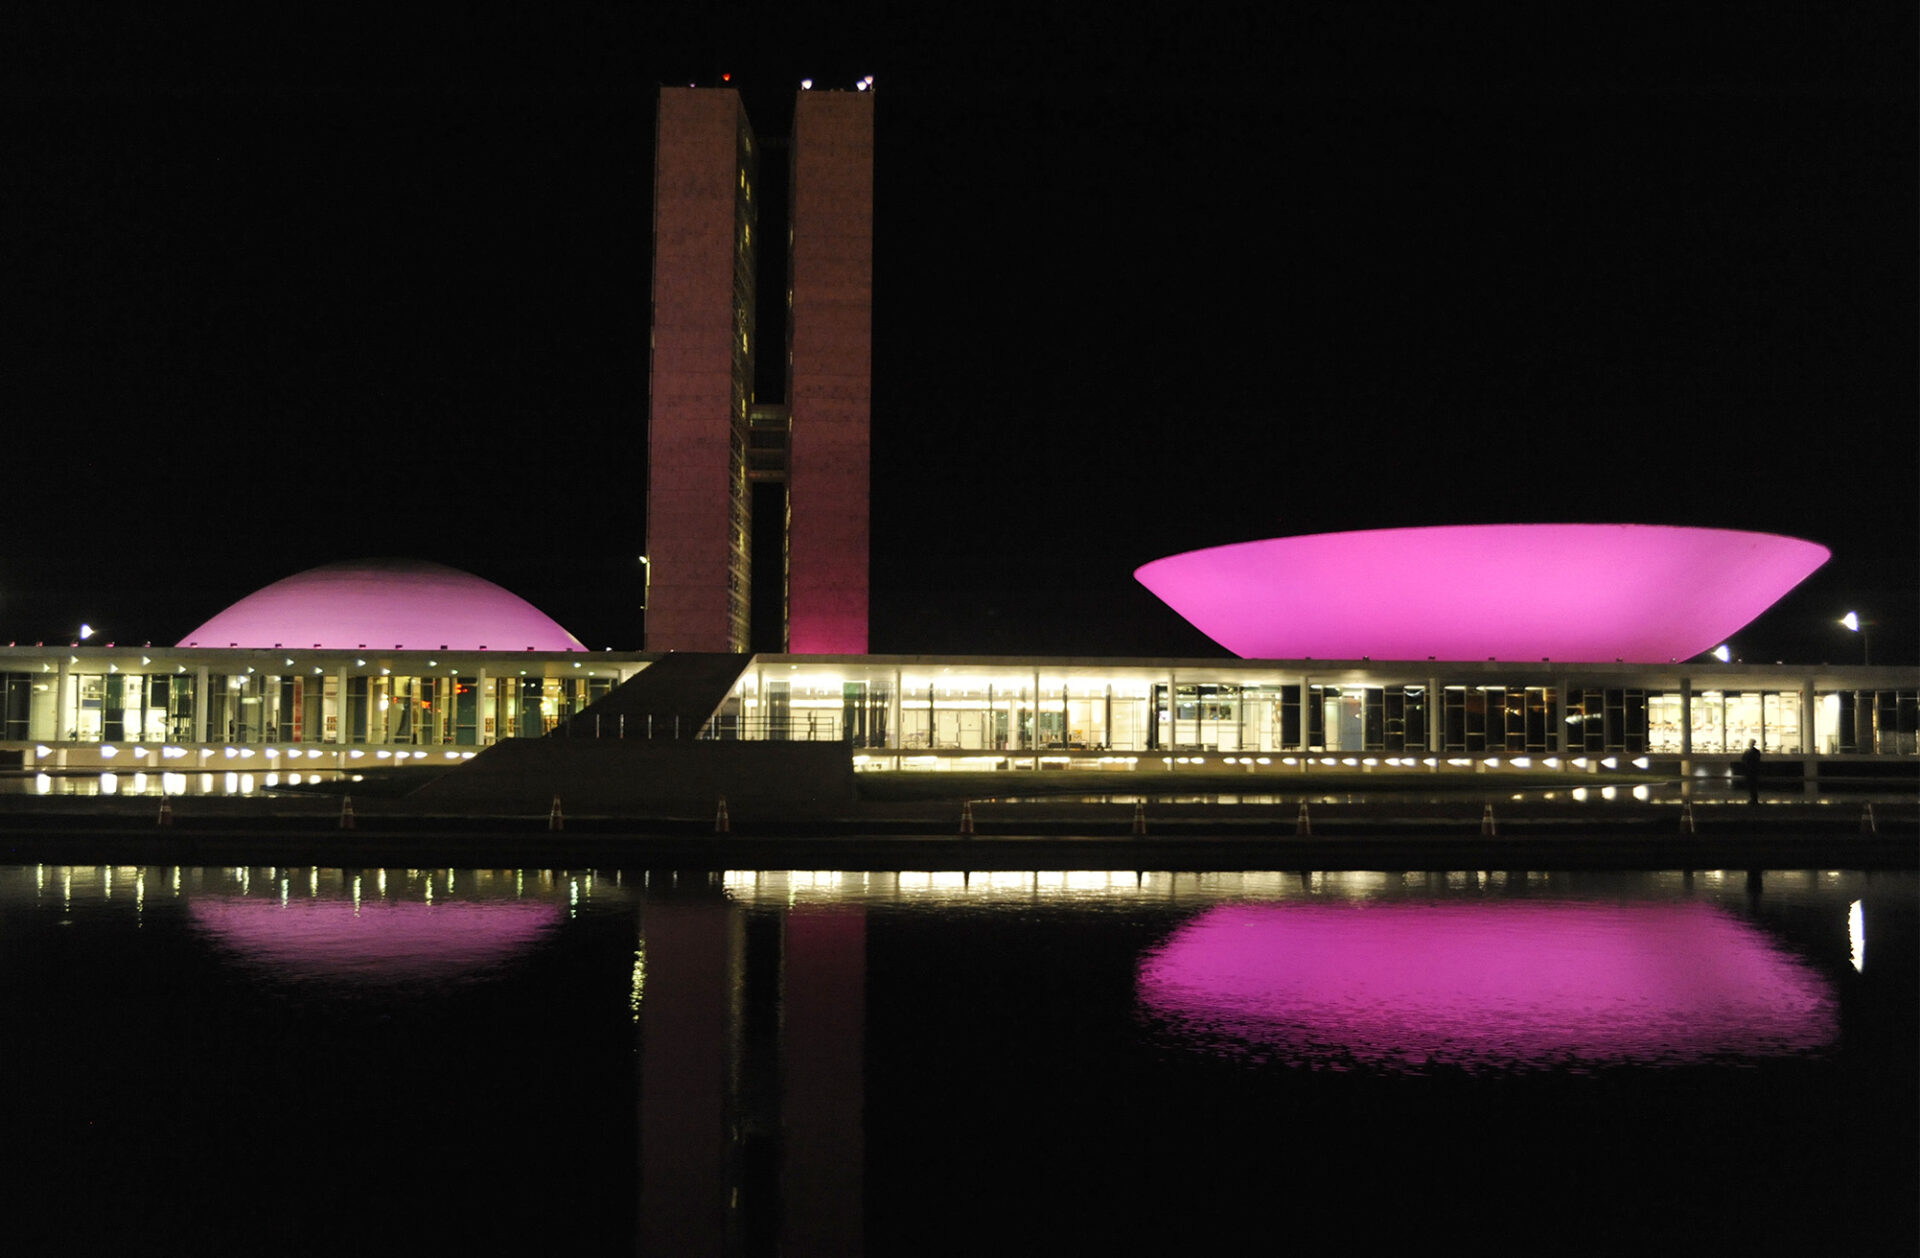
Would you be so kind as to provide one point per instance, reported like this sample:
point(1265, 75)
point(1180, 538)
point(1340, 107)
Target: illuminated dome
point(1578, 592)
point(382, 604)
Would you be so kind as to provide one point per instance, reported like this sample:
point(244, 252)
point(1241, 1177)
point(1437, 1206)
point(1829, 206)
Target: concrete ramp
point(613, 777)
point(669, 699)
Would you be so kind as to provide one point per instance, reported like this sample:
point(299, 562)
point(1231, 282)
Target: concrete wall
point(633, 777)
point(830, 380)
point(702, 293)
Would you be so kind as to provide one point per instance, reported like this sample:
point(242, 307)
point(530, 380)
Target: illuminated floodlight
point(806, 85)
point(1851, 620)
point(86, 631)
point(1641, 762)
point(108, 751)
point(1723, 653)
point(1419, 593)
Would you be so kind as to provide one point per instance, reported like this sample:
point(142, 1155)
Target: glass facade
point(1061, 709)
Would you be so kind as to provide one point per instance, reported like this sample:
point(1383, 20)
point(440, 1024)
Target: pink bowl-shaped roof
point(1579, 592)
point(383, 604)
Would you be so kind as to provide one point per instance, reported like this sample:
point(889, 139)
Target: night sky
point(296, 283)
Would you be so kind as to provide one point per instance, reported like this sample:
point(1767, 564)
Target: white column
point(483, 709)
point(200, 704)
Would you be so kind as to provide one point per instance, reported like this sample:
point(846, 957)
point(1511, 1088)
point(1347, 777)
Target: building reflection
point(749, 990)
point(751, 1031)
point(1485, 985)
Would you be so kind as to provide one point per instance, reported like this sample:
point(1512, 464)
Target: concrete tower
point(699, 524)
point(702, 451)
point(829, 373)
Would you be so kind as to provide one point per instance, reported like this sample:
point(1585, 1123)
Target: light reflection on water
point(844, 1055)
point(1484, 985)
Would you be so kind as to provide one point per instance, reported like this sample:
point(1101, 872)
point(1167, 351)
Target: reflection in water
point(377, 927)
point(379, 941)
point(835, 1062)
point(1485, 985)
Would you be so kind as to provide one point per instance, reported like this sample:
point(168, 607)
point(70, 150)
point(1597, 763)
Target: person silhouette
point(1750, 765)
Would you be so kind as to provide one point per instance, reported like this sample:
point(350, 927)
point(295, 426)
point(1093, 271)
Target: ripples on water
point(278, 1060)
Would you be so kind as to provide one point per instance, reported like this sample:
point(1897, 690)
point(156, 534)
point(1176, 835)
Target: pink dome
point(383, 604)
point(1577, 592)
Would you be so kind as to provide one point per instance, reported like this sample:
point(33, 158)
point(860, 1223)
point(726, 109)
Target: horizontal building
point(87, 709)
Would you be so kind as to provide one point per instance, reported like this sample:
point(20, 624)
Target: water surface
point(248, 1060)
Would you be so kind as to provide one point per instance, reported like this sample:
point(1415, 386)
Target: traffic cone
point(721, 823)
point(1866, 820)
point(1486, 821)
point(966, 816)
point(166, 811)
point(346, 812)
point(556, 821)
point(1139, 817)
point(1303, 824)
point(1686, 818)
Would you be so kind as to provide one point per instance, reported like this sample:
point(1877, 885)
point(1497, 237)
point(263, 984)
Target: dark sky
point(286, 284)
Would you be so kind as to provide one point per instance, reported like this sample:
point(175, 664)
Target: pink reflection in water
point(1485, 985)
point(379, 941)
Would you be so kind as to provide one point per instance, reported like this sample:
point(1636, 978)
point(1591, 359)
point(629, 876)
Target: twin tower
point(708, 440)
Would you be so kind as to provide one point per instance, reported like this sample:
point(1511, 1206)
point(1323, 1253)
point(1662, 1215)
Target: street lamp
point(1852, 621)
point(646, 581)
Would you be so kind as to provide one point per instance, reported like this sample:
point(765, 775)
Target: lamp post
point(1853, 622)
